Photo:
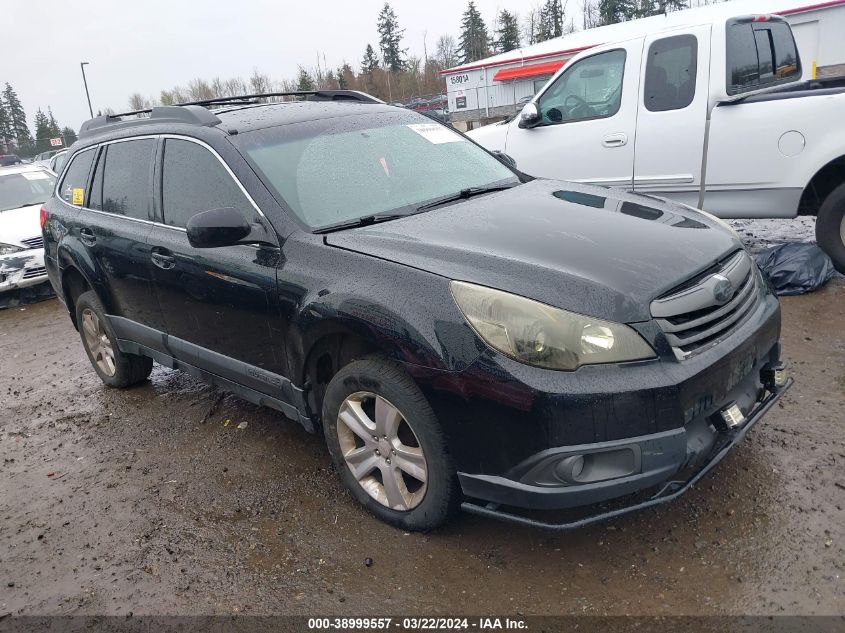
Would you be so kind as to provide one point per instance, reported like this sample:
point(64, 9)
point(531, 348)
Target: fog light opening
point(774, 376)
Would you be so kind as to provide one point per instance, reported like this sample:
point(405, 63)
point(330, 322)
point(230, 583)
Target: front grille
point(34, 242)
point(698, 315)
point(38, 271)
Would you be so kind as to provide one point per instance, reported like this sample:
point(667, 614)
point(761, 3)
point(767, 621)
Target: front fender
point(404, 313)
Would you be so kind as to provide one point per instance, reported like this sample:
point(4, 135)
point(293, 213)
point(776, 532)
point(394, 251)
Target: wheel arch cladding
point(73, 285)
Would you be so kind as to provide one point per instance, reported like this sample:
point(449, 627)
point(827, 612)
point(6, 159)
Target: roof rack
point(198, 113)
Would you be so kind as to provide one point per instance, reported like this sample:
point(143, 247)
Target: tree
point(18, 129)
point(345, 77)
point(69, 136)
point(507, 32)
point(42, 131)
point(304, 81)
point(590, 14)
point(370, 61)
point(5, 133)
point(446, 52)
point(551, 21)
point(613, 11)
point(390, 40)
point(474, 42)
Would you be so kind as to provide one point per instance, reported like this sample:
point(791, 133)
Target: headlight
point(536, 334)
point(8, 249)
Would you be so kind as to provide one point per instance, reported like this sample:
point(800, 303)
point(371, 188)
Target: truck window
point(670, 73)
point(590, 89)
point(760, 54)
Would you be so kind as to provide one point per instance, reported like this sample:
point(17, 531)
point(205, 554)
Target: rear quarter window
point(73, 188)
point(759, 55)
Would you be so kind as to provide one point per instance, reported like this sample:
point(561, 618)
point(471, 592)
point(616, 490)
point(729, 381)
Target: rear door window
point(670, 73)
point(760, 54)
point(127, 178)
point(73, 187)
point(194, 180)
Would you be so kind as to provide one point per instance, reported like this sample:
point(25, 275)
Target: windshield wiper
point(463, 194)
point(367, 220)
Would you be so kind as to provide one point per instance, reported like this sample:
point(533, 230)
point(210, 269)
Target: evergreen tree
point(390, 40)
point(550, 20)
point(69, 136)
point(55, 131)
point(613, 11)
point(304, 81)
point(16, 116)
point(507, 32)
point(5, 133)
point(42, 131)
point(474, 42)
point(370, 62)
point(345, 76)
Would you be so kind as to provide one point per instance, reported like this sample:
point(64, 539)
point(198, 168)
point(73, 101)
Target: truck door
point(673, 114)
point(588, 119)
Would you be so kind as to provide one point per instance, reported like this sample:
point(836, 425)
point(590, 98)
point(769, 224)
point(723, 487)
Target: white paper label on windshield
point(35, 175)
point(434, 133)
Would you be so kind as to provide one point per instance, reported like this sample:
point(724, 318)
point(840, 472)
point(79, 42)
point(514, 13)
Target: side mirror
point(530, 115)
point(217, 227)
point(507, 159)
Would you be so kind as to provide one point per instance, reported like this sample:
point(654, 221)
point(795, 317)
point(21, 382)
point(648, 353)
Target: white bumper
point(22, 269)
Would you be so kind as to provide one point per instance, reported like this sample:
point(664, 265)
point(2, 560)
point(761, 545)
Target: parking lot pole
point(85, 81)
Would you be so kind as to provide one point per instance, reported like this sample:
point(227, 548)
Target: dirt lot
point(152, 501)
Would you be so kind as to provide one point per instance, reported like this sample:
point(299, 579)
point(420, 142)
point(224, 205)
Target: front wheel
point(830, 227)
point(388, 447)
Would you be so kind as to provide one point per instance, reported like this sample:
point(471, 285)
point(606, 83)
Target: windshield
point(24, 189)
point(337, 170)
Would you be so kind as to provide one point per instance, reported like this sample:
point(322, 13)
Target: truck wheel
point(830, 227)
point(115, 368)
point(388, 447)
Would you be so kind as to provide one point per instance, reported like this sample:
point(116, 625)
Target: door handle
point(87, 237)
point(615, 140)
point(163, 260)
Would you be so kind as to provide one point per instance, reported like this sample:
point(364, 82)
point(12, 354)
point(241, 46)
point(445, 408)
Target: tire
point(830, 227)
point(100, 343)
point(423, 475)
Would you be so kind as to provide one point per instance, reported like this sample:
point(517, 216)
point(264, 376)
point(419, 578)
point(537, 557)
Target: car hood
point(591, 250)
point(20, 224)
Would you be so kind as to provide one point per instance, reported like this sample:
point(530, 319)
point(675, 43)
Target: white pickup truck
point(712, 115)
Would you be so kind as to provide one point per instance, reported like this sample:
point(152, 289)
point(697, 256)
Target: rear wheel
point(115, 368)
point(388, 447)
point(830, 227)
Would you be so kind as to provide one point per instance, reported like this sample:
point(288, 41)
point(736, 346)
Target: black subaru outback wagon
point(462, 334)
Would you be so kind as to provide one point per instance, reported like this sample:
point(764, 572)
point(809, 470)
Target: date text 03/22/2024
point(418, 624)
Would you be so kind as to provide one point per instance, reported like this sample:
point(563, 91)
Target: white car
point(23, 189)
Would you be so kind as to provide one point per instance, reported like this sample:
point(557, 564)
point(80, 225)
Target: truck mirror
point(530, 115)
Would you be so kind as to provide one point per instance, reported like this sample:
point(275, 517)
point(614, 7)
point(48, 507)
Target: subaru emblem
point(723, 289)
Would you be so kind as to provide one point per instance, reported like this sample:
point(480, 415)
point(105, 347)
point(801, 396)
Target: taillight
point(761, 18)
point(44, 217)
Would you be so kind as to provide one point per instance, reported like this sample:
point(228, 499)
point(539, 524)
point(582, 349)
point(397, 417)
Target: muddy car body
point(461, 333)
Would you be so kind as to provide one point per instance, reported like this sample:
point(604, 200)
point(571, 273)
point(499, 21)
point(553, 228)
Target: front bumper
point(665, 466)
point(21, 270)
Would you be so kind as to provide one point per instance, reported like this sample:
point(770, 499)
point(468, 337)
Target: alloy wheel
point(382, 451)
point(97, 342)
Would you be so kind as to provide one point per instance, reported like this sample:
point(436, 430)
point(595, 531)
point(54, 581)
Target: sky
point(155, 44)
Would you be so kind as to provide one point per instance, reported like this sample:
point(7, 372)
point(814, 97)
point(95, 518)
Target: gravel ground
point(151, 500)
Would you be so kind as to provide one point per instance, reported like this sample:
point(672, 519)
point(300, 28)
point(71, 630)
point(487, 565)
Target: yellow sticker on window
point(78, 195)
